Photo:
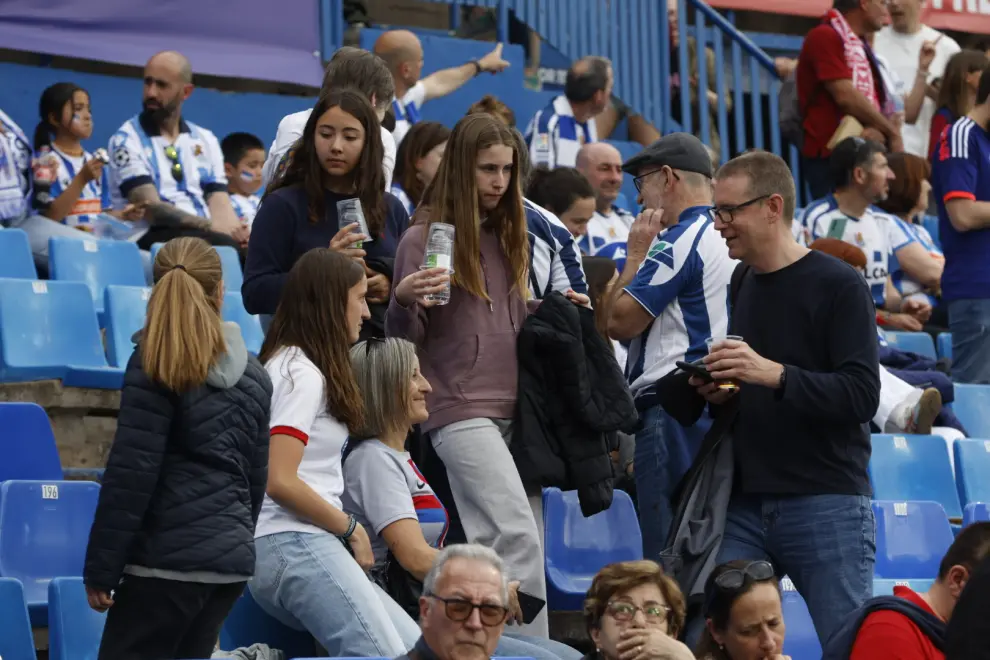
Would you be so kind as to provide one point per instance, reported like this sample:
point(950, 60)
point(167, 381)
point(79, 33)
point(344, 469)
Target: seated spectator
point(348, 67)
point(490, 105)
point(170, 166)
point(338, 158)
point(312, 556)
point(243, 158)
point(910, 624)
point(403, 52)
point(956, 92)
point(565, 193)
point(388, 495)
point(559, 130)
point(633, 610)
point(969, 627)
point(608, 230)
point(835, 79)
point(417, 162)
point(743, 615)
point(172, 544)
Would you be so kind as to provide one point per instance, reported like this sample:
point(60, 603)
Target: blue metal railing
point(633, 34)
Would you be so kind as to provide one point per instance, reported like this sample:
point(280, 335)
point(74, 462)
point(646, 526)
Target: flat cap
point(679, 151)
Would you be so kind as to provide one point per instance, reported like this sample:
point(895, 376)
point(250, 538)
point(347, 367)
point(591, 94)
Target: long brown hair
point(421, 139)
point(952, 91)
point(183, 333)
point(452, 197)
point(310, 316)
point(304, 168)
point(599, 272)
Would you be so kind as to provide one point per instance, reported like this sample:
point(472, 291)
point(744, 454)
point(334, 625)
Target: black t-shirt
point(817, 318)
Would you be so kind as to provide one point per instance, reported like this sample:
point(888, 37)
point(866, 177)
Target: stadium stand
point(972, 406)
point(912, 468)
point(912, 342)
point(74, 628)
point(27, 444)
point(801, 640)
point(96, 263)
point(15, 256)
point(233, 310)
point(911, 539)
point(16, 641)
point(976, 512)
point(126, 307)
point(973, 470)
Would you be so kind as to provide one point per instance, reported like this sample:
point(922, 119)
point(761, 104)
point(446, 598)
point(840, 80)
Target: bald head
point(589, 80)
point(397, 47)
point(593, 153)
point(601, 164)
point(167, 84)
point(173, 62)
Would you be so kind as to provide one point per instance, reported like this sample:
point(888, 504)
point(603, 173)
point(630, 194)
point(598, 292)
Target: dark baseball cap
point(679, 151)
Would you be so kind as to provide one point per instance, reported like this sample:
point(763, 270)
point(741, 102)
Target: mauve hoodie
point(467, 347)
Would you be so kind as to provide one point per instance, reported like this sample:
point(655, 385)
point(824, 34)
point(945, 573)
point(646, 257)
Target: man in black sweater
point(809, 379)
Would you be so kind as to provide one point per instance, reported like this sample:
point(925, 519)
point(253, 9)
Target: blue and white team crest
point(662, 253)
point(432, 515)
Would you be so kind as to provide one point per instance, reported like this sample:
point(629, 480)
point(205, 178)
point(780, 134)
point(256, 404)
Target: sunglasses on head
point(735, 578)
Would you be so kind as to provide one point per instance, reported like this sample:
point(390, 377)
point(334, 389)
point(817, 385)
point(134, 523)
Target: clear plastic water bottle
point(440, 254)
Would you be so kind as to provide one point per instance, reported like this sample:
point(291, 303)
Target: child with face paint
point(243, 159)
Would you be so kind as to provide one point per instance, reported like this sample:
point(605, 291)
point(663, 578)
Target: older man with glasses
point(670, 297)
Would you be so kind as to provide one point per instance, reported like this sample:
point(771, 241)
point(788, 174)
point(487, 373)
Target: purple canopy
point(274, 40)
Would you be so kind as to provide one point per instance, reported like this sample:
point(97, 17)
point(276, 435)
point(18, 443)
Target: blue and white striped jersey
point(906, 286)
point(95, 196)
point(554, 136)
point(138, 156)
point(15, 169)
point(684, 285)
point(554, 258)
point(878, 234)
point(401, 195)
point(406, 110)
point(245, 207)
point(607, 236)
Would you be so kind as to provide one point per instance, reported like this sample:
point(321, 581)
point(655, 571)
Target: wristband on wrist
point(351, 526)
point(477, 67)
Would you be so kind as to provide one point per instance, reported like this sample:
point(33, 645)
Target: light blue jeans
point(969, 321)
point(311, 582)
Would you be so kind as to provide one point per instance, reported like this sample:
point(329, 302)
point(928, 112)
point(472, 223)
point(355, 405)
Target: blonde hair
point(183, 332)
point(383, 369)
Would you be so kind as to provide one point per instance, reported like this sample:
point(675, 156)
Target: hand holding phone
point(531, 606)
point(696, 368)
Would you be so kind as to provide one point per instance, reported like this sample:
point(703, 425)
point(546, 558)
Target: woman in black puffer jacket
point(172, 545)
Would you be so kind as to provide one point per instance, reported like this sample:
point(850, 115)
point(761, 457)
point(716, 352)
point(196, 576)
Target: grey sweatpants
point(494, 507)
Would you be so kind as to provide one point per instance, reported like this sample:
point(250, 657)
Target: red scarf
point(856, 58)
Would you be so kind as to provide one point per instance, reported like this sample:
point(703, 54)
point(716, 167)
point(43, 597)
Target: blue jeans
point(824, 543)
point(969, 322)
point(311, 582)
point(664, 453)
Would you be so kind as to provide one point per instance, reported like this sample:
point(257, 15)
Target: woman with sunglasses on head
point(313, 557)
point(388, 495)
point(635, 612)
point(335, 161)
point(417, 162)
point(743, 615)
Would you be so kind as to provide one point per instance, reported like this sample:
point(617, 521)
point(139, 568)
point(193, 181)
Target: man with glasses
point(171, 167)
point(670, 297)
point(464, 605)
point(808, 386)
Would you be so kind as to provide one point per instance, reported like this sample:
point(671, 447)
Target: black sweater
point(282, 232)
point(817, 318)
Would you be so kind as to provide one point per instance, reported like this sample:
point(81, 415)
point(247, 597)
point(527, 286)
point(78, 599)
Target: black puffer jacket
point(572, 400)
point(186, 475)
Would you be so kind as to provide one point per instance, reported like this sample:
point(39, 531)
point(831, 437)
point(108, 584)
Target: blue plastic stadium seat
point(233, 310)
point(44, 529)
point(74, 628)
point(943, 345)
point(912, 342)
point(914, 467)
point(230, 262)
point(96, 263)
point(578, 547)
point(248, 624)
point(973, 470)
point(49, 330)
point(16, 640)
point(972, 407)
point(125, 311)
point(976, 512)
point(885, 587)
point(16, 259)
point(801, 641)
point(911, 539)
point(27, 444)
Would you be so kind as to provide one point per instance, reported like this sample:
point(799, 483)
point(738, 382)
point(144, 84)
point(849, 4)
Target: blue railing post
point(701, 40)
point(665, 95)
point(331, 27)
point(502, 25)
point(684, 73)
point(723, 110)
point(756, 101)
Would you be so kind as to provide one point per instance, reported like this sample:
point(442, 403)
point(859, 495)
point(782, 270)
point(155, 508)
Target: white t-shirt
point(383, 486)
point(299, 410)
point(901, 52)
point(406, 110)
point(291, 129)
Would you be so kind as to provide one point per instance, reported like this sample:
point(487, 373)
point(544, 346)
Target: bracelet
point(477, 67)
point(351, 526)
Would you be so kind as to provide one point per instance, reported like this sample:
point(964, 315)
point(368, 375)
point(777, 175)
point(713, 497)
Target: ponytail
point(183, 331)
point(52, 102)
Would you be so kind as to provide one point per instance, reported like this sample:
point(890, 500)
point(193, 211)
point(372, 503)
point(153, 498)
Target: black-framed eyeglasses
point(459, 610)
point(724, 214)
point(369, 342)
point(623, 610)
point(756, 571)
point(173, 155)
point(638, 181)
